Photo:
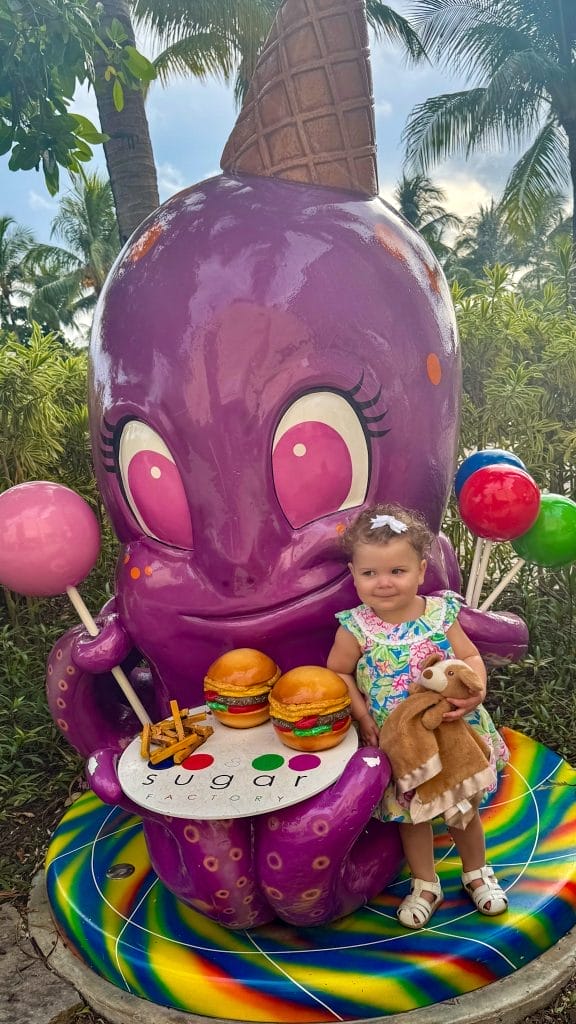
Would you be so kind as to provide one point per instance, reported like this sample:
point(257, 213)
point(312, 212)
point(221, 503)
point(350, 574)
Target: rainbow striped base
point(128, 928)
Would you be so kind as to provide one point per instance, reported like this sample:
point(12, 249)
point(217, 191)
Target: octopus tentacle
point(102, 652)
point(206, 864)
point(499, 636)
point(311, 858)
point(209, 865)
point(88, 709)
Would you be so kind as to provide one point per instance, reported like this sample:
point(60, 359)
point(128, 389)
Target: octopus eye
point(320, 458)
point(152, 485)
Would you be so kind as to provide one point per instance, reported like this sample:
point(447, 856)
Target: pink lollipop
point(50, 539)
point(50, 542)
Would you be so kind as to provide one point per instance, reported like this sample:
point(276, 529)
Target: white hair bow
point(395, 524)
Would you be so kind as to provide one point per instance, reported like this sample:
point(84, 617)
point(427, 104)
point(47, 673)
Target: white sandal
point(489, 898)
point(415, 911)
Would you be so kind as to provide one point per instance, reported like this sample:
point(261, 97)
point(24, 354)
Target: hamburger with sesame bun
point(310, 708)
point(237, 685)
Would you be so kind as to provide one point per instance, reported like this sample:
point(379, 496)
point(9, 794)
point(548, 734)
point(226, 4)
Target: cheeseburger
point(310, 708)
point(237, 685)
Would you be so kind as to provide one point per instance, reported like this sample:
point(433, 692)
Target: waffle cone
point(308, 115)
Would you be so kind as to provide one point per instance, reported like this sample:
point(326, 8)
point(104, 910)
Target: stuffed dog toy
point(445, 764)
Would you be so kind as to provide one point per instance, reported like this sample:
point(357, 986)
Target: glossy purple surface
point(252, 294)
point(266, 359)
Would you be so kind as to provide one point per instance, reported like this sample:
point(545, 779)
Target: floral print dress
point(390, 661)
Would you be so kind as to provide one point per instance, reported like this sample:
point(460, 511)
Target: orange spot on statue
point(145, 243)
point(434, 369)
point(434, 278)
point(390, 241)
point(135, 574)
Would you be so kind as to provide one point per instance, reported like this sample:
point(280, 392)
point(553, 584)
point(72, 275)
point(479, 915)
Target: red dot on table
point(197, 761)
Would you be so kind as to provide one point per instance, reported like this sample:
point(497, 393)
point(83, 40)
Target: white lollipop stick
point(481, 574)
point(474, 569)
point(118, 673)
point(516, 566)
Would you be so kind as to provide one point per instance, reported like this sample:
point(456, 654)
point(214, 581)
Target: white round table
point(236, 773)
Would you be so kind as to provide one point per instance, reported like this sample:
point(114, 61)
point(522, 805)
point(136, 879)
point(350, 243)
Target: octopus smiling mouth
point(295, 604)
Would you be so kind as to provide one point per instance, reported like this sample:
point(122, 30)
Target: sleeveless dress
point(390, 661)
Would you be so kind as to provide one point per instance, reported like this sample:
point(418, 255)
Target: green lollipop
point(551, 541)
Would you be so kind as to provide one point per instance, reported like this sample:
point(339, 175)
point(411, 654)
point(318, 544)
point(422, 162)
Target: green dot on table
point(267, 762)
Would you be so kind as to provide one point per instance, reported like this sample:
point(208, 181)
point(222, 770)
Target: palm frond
point(486, 48)
point(388, 24)
point(173, 20)
point(440, 127)
point(202, 54)
point(441, 24)
point(461, 123)
point(507, 117)
point(56, 302)
point(43, 259)
point(441, 222)
point(447, 28)
point(544, 168)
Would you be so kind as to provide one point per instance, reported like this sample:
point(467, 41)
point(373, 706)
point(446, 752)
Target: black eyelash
point(108, 451)
point(361, 406)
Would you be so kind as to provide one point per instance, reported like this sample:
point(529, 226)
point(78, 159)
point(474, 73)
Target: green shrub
point(519, 378)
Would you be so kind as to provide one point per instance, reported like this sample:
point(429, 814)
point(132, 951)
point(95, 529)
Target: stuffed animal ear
point(471, 680)
point(432, 659)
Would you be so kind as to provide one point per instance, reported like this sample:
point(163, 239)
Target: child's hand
point(369, 732)
point(462, 706)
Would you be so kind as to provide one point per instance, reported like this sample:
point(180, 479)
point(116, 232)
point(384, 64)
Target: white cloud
point(383, 108)
point(386, 189)
point(170, 180)
point(464, 196)
point(38, 202)
point(464, 193)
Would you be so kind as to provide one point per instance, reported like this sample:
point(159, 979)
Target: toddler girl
point(378, 650)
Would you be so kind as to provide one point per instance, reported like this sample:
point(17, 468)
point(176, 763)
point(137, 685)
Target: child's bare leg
point(471, 846)
point(472, 849)
point(425, 894)
point(418, 846)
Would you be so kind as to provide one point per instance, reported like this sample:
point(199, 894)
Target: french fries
point(175, 737)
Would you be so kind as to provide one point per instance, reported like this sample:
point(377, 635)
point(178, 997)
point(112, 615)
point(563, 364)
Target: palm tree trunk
point(129, 155)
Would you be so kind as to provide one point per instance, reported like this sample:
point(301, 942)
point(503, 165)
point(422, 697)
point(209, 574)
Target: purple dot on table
point(167, 763)
point(304, 762)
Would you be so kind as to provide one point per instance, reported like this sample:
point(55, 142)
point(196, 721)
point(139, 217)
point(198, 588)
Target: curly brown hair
point(362, 531)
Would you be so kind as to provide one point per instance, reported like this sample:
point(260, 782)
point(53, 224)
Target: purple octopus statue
point(274, 348)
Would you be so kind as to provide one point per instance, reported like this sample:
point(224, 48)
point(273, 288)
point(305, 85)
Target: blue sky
point(190, 122)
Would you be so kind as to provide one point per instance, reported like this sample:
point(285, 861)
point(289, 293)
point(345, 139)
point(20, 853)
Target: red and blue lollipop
point(498, 501)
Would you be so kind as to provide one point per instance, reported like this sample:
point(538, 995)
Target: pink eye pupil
point(313, 471)
point(159, 497)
